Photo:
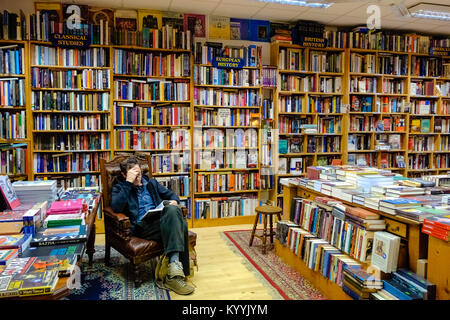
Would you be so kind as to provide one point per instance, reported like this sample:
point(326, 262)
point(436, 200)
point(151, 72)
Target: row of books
point(394, 86)
point(224, 207)
point(13, 125)
point(228, 159)
point(72, 142)
point(151, 90)
point(54, 56)
point(362, 63)
point(267, 109)
point(225, 138)
point(68, 162)
point(290, 165)
point(70, 101)
point(11, 59)
point(180, 185)
point(323, 144)
point(204, 53)
point(13, 159)
point(420, 125)
point(323, 104)
point(419, 162)
point(269, 77)
point(70, 79)
point(226, 182)
point(362, 123)
point(358, 142)
point(361, 103)
point(297, 83)
point(421, 88)
point(167, 37)
point(393, 64)
point(325, 61)
point(219, 97)
point(391, 104)
point(224, 117)
point(166, 163)
point(426, 66)
point(393, 141)
point(208, 75)
point(151, 139)
point(441, 161)
point(139, 114)
point(424, 106)
point(392, 160)
point(71, 122)
point(77, 180)
point(288, 124)
point(290, 103)
point(329, 125)
point(151, 64)
point(444, 144)
point(437, 226)
point(291, 59)
point(394, 123)
point(12, 92)
point(363, 85)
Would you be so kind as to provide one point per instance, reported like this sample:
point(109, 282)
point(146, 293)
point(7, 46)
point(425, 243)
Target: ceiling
point(344, 13)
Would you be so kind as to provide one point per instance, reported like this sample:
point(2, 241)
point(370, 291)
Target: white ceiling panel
point(250, 3)
point(193, 6)
point(275, 14)
point(140, 4)
point(235, 11)
point(442, 30)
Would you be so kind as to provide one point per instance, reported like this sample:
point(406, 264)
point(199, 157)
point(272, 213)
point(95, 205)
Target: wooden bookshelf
point(13, 142)
point(200, 83)
point(40, 112)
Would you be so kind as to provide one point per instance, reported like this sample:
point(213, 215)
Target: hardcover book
point(219, 27)
point(49, 237)
point(196, 24)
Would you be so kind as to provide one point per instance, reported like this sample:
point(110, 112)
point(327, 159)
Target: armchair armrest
point(184, 210)
point(117, 223)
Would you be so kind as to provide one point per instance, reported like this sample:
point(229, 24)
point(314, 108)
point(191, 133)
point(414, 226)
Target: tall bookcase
point(14, 106)
point(310, 94)
point(226, 137)
point(70, 103)
point(152, 112)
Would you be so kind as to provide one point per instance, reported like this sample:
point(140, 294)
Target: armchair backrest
point(110, 172)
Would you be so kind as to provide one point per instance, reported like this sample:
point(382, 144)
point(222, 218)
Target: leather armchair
point(117, 225)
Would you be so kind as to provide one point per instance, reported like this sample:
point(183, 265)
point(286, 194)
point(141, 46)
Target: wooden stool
point(265, 211)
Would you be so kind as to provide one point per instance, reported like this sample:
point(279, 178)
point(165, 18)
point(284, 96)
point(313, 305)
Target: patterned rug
point(116, 282)
point(285, 280)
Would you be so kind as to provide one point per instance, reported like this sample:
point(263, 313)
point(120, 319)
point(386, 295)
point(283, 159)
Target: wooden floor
point(222, 273)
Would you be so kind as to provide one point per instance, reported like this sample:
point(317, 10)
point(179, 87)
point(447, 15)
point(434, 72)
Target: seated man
point(133, 195)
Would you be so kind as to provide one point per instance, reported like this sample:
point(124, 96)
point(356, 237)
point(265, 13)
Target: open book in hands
point(155, 211)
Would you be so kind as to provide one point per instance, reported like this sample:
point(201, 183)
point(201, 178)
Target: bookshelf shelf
point(70, 151)
point(150, 150)
point(151, 126)
point(165, 174)
point(226, 169)
point(11, 75)
point(70, 111)
point(151, 101)
point(225, 87)
point(70, 89)
point(138, 48)
point(149, 77)
point(56, 67)
point(70, 131)
point(68, 172)
point(230, 107)
point(226, 192)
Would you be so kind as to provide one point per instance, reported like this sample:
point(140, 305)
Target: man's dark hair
point(128, 164)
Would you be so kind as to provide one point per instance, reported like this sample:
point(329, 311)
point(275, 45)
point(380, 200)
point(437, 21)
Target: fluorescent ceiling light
point(430, 11)
point(302, 3)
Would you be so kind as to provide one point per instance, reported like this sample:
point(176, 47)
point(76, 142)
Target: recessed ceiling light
point(430, 11)
point(302, 3)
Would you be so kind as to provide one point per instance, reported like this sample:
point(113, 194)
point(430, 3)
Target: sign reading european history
point(70, 40)
point(313, 42)
point(225, 62)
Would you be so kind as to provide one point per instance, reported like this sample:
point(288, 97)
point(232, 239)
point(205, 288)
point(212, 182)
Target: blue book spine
point(394, 291)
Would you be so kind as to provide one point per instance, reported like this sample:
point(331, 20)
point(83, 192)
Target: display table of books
point(44, 232)
point(341, 216)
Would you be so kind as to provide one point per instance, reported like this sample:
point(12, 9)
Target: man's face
point(138, 176)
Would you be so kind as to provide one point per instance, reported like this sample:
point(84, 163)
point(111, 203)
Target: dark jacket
point(124, 197)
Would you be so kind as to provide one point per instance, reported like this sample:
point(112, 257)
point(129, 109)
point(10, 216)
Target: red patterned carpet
point(286, 281)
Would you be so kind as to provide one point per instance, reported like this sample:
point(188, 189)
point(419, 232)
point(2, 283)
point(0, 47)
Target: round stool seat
point(268, 209)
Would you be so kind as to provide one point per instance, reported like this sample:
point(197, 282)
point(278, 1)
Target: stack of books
point(359, 284)
point(366, 219)
point(367, 181)
point(420, 213)
point(36, 191)
point(392, 205)
point(403, 191)
point(437, 226)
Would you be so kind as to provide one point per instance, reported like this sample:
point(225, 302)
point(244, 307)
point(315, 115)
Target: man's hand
point(132, 174)
point(173, 202)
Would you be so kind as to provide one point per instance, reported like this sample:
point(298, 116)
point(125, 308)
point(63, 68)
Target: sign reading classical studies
point(225, 62)
point(70, 40)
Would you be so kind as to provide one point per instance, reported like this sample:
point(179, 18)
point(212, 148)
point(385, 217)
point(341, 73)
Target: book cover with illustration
point(29, 284)
point(196, 23)
point(8, 193)
point(125, 20)
point(60, 235)
point(96, 14)
point(151, 19)
point(260, 30)
point(239, 29)
point(64, 264)
point(219, 27)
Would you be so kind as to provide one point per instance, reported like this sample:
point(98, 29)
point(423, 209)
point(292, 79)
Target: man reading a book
point(134, 195)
